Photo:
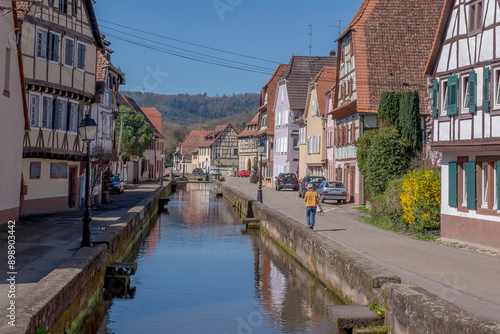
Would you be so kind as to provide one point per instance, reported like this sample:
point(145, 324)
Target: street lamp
point(183, 166)
point(206, 170)
point(87, 131)
point(262, 150)
point(162, 169)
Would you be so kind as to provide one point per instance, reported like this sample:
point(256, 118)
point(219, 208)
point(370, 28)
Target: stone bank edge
point(357, 280)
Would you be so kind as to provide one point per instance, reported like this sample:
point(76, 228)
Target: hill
point(187, 109)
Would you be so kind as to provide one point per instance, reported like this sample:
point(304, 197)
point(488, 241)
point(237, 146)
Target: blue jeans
point(311, 213)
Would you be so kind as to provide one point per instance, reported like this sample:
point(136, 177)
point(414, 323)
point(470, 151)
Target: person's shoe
point(311, 227)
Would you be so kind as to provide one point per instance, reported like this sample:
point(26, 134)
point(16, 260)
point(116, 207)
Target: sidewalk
point(45, 241)
point(468, 279)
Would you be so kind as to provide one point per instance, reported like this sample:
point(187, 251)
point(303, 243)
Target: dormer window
point(475, 21)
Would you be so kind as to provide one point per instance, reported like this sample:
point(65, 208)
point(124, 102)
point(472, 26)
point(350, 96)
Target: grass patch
point(361, 209)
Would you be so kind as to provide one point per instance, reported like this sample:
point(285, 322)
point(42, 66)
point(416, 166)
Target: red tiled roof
point(154, 117)
point(249, 131)
point(392, 40)
point(193, 140)
point(271, 86)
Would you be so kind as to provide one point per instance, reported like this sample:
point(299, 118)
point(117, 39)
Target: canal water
point(199, 271)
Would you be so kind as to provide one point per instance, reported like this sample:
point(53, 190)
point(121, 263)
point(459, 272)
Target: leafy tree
point(136, 134)
point(388, 109)
point(408, 122)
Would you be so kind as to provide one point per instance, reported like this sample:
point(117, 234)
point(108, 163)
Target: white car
point(334, 190)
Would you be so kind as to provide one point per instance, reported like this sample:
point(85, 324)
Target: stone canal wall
point(61, 299)
point(409, 309)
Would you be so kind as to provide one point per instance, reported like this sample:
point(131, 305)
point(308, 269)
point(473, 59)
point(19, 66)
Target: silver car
point(334, 190)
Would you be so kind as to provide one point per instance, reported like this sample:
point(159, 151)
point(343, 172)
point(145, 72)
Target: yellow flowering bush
point(421, 199)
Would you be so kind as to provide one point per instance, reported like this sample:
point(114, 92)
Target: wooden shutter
point(435, 99)
point(452, 101)
point(470, 174)
point(472, 92)
point(486, 89)
point(452, 184)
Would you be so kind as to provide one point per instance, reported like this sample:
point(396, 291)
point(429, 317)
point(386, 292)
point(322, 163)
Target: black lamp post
point(183, 166)
point(262, 149)
point(162, 169)
point(87, 131)
point(206, 170)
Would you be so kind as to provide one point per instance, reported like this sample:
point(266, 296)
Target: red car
point(244, 173)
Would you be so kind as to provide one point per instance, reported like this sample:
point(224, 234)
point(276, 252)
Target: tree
point(136, 134)
point(408, 122)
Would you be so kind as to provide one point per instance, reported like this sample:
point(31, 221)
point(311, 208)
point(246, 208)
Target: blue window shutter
point(435, 91)
point(452, 102)
point(452, 184)
point(472, 92)
point(470, 174)
point(486, 89)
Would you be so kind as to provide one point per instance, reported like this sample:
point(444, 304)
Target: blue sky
point(272, 30)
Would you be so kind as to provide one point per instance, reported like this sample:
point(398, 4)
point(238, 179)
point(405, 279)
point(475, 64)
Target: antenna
point(310, 38)
point(338, 26)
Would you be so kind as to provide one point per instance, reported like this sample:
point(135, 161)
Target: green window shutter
point(452, 100)
point(472, 92)
point(486, 89)
point(470, 175)
point(435, 91)
point(452, 184)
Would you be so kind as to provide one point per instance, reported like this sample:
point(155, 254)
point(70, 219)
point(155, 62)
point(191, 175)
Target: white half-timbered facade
point(465, 66)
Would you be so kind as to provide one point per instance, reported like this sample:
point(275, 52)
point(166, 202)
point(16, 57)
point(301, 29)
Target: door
point(352, 178)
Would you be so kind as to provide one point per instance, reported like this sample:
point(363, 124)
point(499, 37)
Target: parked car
point(116, 184)
point(314, 180)
point(287, 180)
point(334, 190)
point(244, 173)
point(198, 171)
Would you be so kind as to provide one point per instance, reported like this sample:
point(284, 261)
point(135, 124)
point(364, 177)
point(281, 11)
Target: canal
point(199, 271)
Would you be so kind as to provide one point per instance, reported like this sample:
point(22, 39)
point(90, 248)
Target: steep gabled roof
point(249, 129)
point(270, 86)
point(323, 84)
point(193, 141)
point(153, 116)
point(300, 71)
point(392, 40)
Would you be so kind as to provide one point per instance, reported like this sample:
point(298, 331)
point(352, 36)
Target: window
point(235, 151)
point(34, 111)
point(47, 112)
point(74, 7)
point(35, 170)
point(475, 17)
point(80, 56)
point(58, 171)
point(63, 6)
point(497, 88)
point(485, 185)
point(73, 117)
point(486, 89)
point(41, 43)
point(60, 114)
point(54, 41)
point(444, 97)
point(69, 52)
point(465, 94)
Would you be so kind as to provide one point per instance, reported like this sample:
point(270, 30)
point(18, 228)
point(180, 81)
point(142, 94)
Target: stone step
point(353, 316)
point(121, 269)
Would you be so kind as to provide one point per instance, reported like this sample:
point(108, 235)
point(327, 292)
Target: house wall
point(329, 139)
point(283, 143)
point(315, 141)
point(12, 124)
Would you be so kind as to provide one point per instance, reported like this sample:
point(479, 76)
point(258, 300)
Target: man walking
point(311, 198)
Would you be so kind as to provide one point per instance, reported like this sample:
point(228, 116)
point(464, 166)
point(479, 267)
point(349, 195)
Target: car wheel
point(278, 188)
point(339, 201)
point(322, 199)
point(343, 201)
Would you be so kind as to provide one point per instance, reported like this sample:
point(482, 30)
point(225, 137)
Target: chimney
point(333, 53)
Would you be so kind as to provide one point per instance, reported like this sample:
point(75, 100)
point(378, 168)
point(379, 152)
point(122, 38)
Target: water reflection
point(197, 273)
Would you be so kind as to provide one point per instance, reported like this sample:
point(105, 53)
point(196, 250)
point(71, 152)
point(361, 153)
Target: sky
point(170, 46)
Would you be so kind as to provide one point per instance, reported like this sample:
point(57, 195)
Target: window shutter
point(452, 184)
point(472, 92)
point(68, 115)
point(55, 109)
point(470, 174)
point(452, 95)
point(57, 47)
point(486, 89)
point(435, 91)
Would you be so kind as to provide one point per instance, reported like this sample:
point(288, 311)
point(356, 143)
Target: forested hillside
point(186, 109)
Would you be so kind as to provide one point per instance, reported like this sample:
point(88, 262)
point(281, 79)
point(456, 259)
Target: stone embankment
point(357, 280)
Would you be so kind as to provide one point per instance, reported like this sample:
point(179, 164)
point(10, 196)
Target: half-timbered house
point(465, 65)
point(59, 44)
point(384, 48)
point(247, 145)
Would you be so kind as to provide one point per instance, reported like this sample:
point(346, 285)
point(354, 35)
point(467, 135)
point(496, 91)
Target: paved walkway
point(468, 279)
point(45, 241)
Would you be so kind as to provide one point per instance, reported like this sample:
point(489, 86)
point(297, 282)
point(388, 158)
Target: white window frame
point(50, 105)
point(496, 88)
point(41, 43)
point(78, 62)
point(465, 94)
point(444, 97)
point(49, 47)
point(34, 110)
point(63, 115)
point(63, 6)
point(73, 116)
point(66, 39)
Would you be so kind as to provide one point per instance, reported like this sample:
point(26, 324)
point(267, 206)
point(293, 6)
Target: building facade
point(247, 145)
point(59, 45)
point(465, 66)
